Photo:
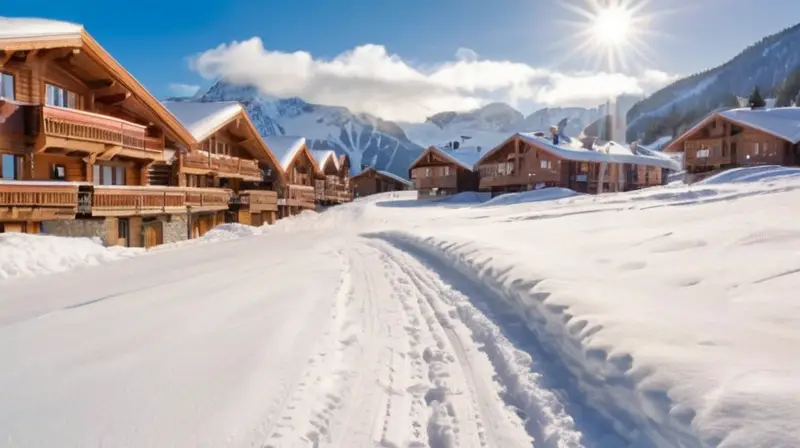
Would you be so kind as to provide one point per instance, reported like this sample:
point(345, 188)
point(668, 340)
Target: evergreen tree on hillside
point(755, 99)
point(789, 90)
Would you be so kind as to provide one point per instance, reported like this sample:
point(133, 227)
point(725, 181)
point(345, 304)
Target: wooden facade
point(721, 141)
point(371, 181)
point(521, 164)
point(332, 183)
point(77, 137)
point(231, 157)
point(441, 172)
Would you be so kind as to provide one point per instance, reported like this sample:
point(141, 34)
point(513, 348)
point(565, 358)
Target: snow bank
point(677, 324)
point(545, 194)
point(23, 255)
point(752, 174)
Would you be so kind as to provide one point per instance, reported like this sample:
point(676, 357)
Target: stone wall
point(175, 229)
point(89, 228)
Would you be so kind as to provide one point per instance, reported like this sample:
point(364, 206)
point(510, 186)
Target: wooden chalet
point(442, 171)
point(225, 168)
point(297, 174)
point(530, 161)
point(372, 181)
point(78, 135)
point(332, 183)
point(740, 137)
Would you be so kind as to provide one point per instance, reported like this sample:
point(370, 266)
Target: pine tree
point(755, 99)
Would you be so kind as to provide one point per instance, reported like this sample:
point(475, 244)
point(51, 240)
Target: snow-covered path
point(201, 347)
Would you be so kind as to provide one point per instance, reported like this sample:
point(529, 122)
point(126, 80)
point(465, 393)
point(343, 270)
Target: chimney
point(479, 149)
point(634, 148)
point(456, 145)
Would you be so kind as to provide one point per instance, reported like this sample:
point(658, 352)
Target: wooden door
point(153, 234)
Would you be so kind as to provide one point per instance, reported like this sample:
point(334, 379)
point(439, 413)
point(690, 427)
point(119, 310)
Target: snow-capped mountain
point(766, 65)
point(390, 146)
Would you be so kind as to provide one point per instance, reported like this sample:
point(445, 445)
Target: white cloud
point(183, 89)
point(369, 79)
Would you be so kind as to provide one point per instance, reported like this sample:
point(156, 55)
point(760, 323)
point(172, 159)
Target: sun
point(613, 34)
point(612, 25)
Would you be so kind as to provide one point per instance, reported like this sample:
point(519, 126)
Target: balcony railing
point(297, 196)
point(131, 200)
point(449, 181)
point(37, 200)
point(207, 199)
point(74, 124)
point(257, 200)
point(233, 166)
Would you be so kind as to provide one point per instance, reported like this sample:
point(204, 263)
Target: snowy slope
point(546, 319)
point(765, 64)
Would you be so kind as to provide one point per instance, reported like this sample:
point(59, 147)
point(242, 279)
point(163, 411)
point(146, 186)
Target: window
point(11, 167)
point(427, 172)
point(447, 171)
point(546, 164)
point(755, 148)
point(56, 96)
point(108, 175)
point(765, 148)
point(6, 86)
point(702, 153)
point(58, 172)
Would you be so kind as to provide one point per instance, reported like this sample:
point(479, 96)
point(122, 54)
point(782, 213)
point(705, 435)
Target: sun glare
point(612, 33)
point(612, 25)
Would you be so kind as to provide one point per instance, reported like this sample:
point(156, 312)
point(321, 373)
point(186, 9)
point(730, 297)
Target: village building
point(78, 135)
point(527, 161)
point(225, 169)
point(740, 137)
point(372, 181)
point(444, 171)
point(297, 174)
point(331, 185)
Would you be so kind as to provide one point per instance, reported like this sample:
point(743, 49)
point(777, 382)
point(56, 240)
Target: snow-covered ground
point(660, 318)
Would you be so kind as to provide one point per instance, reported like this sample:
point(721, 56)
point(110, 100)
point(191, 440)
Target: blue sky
point(154, 39)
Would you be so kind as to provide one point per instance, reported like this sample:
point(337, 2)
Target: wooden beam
point(101, 84)
point(30, 54)
point(5, 57)
point(109, 153)
point(115, 98)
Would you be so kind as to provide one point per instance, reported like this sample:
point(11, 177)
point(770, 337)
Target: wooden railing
point(202, 160)
point(144, 200)
point(449, 181)
point(298, 195)
point(207, 198)
point(257, 200)
point(85, 126)
point(38, 200)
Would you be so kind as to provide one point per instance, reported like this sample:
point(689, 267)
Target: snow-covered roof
point(202, 119)
point(285, 148)
point(322, 156)
point(782, 122)
point(466, 156)
point(18, 28)
point(610, 152)
point(395, 177)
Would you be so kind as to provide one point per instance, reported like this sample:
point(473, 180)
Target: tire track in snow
point(455, 416)
point(546, 419)
point(304, 419)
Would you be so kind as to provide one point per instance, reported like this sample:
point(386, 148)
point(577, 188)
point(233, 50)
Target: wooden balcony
point(207, 199)
point(449, 182)
point(201, 162)
point(294, 195)
point(134, 201)
point(62, 126)
point(492, 180)
point(257, 200)
point(37, 201)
